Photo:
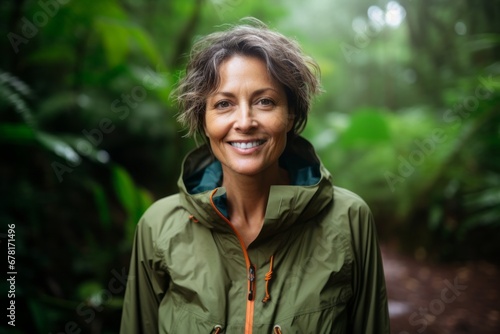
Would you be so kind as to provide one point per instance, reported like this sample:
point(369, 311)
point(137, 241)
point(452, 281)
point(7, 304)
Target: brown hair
point(284, 59)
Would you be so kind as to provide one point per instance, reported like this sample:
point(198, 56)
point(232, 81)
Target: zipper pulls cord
point(269, 276)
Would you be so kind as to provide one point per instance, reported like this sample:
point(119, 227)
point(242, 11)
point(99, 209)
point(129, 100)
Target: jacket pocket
point(331, 320)
point(328, 316)
point(188, 322)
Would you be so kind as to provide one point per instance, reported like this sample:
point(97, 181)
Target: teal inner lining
point(300, 171)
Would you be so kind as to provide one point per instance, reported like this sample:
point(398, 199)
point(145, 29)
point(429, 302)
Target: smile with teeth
point(247, 145)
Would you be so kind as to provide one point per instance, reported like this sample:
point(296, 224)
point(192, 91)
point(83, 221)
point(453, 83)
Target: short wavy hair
point(287, 64)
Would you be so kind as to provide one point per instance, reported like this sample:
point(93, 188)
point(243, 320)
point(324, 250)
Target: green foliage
point(367, 127)
point(437, 176)
point(133, 201)
point(409, 121)
point(89, 242)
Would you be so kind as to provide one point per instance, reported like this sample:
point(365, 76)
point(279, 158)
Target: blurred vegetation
point(410, 120)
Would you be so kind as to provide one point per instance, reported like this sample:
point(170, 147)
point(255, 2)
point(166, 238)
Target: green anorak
point(315, 267)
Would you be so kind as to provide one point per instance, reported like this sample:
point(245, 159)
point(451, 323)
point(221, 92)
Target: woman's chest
point(308, 284)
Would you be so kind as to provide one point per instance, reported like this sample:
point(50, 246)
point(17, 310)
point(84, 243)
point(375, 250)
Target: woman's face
point(247, 117)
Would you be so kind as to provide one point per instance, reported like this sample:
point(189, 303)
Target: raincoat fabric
point(315, 267)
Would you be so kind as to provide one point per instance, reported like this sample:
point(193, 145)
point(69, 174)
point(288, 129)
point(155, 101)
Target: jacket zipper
point(250, 270)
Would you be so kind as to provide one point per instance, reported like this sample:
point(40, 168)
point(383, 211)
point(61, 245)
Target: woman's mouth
point(247, 145)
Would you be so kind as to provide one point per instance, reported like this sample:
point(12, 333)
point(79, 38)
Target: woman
point(258, 239)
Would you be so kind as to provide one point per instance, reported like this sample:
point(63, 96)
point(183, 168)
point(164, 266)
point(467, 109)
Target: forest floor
point(441, 298)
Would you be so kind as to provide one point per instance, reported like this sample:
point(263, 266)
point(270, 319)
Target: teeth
point(247, 145)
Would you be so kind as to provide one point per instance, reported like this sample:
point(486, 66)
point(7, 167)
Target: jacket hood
point(308, 194)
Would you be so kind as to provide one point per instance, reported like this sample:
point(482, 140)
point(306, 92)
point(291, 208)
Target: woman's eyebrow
point(228, 94)
point(263, 90)
point(256, 92)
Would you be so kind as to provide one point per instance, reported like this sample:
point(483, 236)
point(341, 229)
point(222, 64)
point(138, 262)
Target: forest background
point(409, 120)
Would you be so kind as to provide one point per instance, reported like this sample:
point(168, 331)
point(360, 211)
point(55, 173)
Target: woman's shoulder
point(161, 211)
point(163, 204)
point(346, 199)
point(353, 215)
point(351, 212)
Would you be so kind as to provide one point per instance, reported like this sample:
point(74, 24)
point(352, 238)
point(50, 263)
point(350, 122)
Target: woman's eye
point(266, 102)
point(222, 105)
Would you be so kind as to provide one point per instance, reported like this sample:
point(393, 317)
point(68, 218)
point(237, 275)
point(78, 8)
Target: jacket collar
point(310, 192)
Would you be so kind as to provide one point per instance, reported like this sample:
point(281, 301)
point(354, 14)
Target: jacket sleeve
point(369, 308)
point(145, 286)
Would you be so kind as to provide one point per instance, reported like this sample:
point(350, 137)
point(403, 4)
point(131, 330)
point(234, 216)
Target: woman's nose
point(245, 119)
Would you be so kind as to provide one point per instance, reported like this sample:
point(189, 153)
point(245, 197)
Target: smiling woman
point(247, 120)
point(257, 216)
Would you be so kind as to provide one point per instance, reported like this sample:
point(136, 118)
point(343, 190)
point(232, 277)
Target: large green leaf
point(367, 127)
point(133, 199)
point(102, 204)
point(127, 195)
point(114, 38)
point(119, 36)
point(125, 189)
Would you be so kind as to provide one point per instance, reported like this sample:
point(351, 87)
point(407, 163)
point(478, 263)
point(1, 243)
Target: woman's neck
point(247, 199)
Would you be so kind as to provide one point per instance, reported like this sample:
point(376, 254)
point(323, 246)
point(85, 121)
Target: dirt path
point(432, 298)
